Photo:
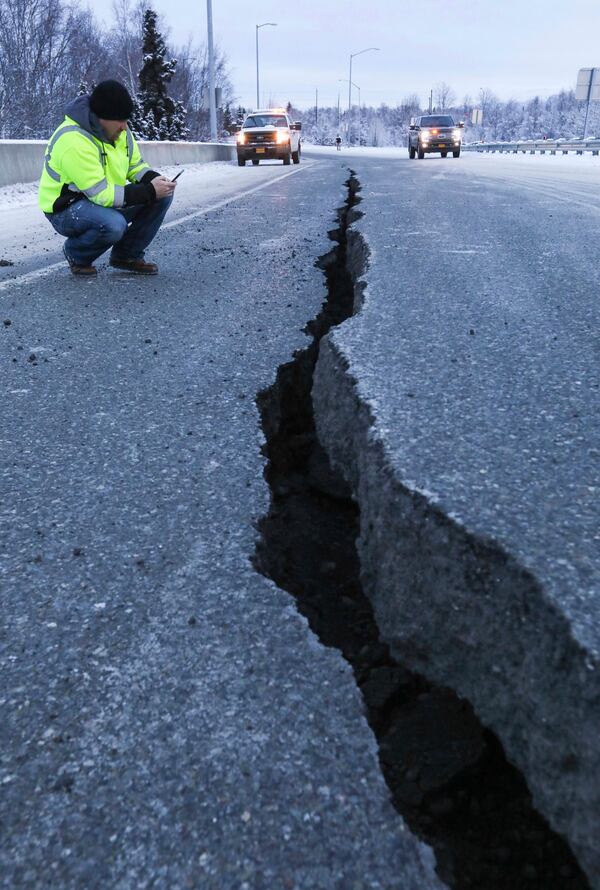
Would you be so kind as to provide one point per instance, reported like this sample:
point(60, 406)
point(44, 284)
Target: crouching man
point(95, 188)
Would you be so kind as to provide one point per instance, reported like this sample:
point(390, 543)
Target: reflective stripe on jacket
point(77, 162)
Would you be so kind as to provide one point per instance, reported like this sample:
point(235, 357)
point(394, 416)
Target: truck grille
point(262, 138)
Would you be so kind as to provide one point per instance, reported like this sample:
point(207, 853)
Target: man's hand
point(163, 186)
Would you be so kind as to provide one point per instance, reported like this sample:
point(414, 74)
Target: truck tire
point(296, 156)
point(444, 154)
point(420, 154)
point(255, 162)
point(287, 158)
point(456, 154)
point(412, 153)
point(241, 162)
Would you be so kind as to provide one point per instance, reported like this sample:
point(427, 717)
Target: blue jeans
point(90, 229)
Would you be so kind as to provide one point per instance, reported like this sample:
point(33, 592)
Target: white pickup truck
point(268, 134)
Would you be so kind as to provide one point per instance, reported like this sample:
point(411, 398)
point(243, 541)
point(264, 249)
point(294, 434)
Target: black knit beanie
point(111, 101)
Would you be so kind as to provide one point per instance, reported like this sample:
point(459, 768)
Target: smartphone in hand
point(178, 175)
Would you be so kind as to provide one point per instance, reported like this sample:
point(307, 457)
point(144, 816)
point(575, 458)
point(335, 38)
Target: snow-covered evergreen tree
point(534, 119)
point(229, 121)
point(157, 115)
point(85, 88)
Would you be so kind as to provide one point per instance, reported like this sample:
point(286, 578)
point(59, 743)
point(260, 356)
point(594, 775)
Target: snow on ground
point(574, 178)
point(356, 151)
point(547, 161)
point(23, 193)
point(27, 239)
point(391, 152)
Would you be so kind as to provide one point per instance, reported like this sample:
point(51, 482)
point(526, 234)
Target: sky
point(516, 48)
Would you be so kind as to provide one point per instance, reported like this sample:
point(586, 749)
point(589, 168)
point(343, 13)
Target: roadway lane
point(30, 246)
point(168, 720)
point(462, 402)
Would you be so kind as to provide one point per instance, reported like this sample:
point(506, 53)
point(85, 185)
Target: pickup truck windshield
point(440, 120)
point(265, 120)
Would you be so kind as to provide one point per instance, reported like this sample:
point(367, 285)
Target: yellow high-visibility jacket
point(81, 162)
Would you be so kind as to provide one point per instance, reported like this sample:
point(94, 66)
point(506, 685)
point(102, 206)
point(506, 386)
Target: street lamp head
point(270, 24)
point(369, 49)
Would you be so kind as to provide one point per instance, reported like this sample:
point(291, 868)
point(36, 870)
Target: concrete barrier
point(21, 159)
point(162, 153)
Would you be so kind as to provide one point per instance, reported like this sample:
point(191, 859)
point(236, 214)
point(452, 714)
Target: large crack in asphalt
point(447, 774)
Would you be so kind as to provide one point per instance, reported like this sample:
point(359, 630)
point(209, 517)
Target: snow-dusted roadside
point(20, 194)
point(572, 178)
point(391, 152)
point(28, 241)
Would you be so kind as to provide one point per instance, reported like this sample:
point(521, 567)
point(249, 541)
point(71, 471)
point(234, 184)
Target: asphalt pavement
point(168, 719)
point(461, 401)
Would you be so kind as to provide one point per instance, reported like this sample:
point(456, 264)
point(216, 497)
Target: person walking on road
point(338, 142)
point(95, 188)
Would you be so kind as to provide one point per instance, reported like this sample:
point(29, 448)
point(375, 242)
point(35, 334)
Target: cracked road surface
point(168, 720)
point(462, 404)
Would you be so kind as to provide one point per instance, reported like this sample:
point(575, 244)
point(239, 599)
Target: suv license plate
point(260, 151)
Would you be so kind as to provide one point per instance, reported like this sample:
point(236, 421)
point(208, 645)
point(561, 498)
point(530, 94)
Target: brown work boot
point(78, 269)
point(140, 267)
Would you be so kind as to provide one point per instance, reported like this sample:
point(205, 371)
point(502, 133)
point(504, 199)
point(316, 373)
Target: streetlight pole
point(212, 101)
point(589, 96)
point(369, 49)
point(264, 25)
point(356, 87)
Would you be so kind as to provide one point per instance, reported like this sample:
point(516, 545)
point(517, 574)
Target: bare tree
point(494, 112)
point(124, 42)
point(409, 107)
point(443, 96)
point(486, 98)
point(46, 48)
point(190, 85)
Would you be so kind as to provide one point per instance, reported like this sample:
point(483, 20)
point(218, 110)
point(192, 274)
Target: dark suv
point(434, 132)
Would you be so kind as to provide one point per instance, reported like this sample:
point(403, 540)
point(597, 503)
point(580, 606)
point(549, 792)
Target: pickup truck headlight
point(241, 138)
point(424, 135)
point(456, 134)
point(282, 136)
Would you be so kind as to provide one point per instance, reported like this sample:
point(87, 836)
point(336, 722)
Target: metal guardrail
point(545, 146)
